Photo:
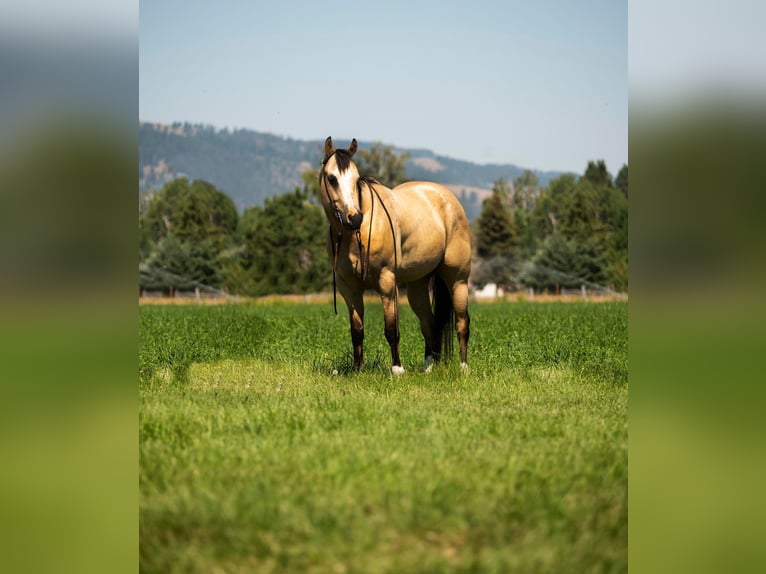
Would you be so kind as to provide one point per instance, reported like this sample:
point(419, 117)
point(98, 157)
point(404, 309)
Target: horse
point(417, 234)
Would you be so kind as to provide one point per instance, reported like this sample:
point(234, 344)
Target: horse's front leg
point(355, 302)
point(388, 295)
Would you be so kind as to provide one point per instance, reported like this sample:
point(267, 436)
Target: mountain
point(251, 166)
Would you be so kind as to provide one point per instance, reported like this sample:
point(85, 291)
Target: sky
point(543, 85)
point(696, 47)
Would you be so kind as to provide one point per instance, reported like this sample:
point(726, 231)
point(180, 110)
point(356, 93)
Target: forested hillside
point(251, 166)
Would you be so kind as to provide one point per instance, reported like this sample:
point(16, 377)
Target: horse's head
point(340, 184)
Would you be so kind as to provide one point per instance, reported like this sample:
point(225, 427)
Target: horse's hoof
point(429, 364)
point(464, 368)
point(397, 370)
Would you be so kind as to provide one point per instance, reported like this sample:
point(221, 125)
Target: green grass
point(254, 457)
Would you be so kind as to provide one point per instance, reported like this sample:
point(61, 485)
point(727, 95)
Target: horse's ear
point(352, 147)
point(328, 147)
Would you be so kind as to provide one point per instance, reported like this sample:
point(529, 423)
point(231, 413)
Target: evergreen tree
point(186, 233)
point(621, 181)
point(564, 263)
point(581, 227)
point(284, 247)
point(597, 173)
point(495, 231)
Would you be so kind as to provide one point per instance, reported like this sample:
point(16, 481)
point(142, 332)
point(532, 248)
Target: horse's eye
point(333, 180)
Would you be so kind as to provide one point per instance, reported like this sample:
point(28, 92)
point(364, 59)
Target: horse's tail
point(444, 318)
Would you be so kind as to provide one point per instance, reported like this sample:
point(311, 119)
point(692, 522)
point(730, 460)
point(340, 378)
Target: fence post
point(584, 292)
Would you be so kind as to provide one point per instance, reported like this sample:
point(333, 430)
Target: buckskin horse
point(417, 234)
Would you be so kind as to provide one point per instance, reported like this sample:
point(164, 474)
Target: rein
point(396, 258)
point(335, 249)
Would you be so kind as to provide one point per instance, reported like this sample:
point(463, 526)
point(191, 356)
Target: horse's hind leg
point(462, 319)
point(417, 293)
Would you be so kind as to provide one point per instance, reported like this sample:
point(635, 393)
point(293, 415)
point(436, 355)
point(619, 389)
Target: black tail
point(444, 319)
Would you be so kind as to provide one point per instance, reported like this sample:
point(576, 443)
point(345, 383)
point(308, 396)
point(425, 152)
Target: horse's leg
point(355, 302)
point(462, 319)
point(388, 295)
point(455, 271)
point(417, 293)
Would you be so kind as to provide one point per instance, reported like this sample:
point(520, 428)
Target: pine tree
point(185, 231)
point(284, 246)
point(496, 232)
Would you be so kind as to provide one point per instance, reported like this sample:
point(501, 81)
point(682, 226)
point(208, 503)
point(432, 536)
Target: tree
point(581, 227)
point(311, 185)
point(597, 173)
point(498, 269)
point(190, 210)
point(497, 242)
point(382, 163)
point(551, 266)
point(182, 265)
point(564, 263)
point(284, 247)
point(496, 233)
point(551, 205)
point(524, 191)
point(186, 233)
point(621, 181)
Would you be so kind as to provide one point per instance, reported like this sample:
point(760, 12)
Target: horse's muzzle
point(354, 221)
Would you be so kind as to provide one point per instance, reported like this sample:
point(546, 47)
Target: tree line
point(569, 233)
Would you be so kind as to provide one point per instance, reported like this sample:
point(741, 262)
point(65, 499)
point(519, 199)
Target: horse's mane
point(369, 180)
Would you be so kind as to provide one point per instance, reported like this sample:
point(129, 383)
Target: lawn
point(255, 457)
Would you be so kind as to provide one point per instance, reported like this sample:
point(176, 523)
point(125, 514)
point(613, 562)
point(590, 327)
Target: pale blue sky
point(540, 84)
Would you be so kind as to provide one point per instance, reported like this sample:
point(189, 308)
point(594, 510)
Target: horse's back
point(433, 224)
point(424, 203)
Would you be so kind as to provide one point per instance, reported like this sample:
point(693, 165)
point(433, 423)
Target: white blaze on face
point(347, 188)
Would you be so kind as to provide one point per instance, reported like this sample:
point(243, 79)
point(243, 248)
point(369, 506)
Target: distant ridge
point(251, 166)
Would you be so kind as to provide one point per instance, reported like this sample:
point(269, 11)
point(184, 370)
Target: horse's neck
point(381, 211)
point(377, 197)
point(367, 198)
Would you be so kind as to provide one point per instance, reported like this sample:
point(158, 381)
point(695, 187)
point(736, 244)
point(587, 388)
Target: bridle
point(336, 240)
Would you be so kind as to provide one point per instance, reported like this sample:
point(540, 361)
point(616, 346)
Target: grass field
point(254, 457)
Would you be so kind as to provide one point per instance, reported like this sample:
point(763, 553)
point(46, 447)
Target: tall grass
point(255, 457)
